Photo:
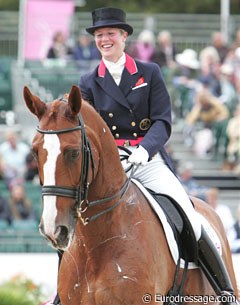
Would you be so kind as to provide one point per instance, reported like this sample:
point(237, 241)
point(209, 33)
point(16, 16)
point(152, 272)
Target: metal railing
point(188, 30)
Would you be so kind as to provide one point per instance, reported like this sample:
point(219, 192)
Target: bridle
point(80, 192)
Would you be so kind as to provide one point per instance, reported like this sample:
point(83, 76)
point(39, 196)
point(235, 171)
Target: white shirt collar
point(119, 63)
point(116, 68)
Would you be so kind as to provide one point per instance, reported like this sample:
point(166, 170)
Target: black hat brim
point(124, 26)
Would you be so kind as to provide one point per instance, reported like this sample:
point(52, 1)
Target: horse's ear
point(75, 100)
point(34, 104)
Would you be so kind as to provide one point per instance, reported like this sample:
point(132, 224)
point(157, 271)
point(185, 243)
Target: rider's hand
point(139, 156)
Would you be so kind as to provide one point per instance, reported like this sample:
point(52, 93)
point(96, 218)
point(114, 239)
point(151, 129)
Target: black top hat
point(109, 17)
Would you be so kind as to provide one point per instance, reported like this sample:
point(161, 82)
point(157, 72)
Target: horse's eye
point(72, 155)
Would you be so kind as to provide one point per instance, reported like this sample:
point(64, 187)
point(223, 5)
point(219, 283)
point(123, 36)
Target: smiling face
point(110, 42)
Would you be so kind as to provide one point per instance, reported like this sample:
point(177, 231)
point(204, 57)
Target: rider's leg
point(157, 176)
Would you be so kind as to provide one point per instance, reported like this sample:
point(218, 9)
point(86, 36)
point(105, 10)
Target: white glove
point(139, 156)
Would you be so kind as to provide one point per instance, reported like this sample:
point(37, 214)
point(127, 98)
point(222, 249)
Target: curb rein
point(80, 193)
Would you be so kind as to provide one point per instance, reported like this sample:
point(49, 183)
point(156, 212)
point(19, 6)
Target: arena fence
point(188, 30)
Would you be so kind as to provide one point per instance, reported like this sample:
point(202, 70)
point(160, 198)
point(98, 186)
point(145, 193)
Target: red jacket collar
point(130, 65)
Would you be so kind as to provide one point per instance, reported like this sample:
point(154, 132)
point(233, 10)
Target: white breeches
point(157, 176)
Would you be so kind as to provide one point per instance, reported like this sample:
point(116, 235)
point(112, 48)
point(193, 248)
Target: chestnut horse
point(115, 250)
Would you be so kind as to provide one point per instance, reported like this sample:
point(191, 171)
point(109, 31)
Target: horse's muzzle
point(60, 239)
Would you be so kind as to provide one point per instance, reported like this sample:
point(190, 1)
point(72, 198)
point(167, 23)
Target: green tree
point(153, 6)
point(148, 6)
point(9, 5)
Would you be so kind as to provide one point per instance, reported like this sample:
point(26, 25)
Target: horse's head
point(60, 146)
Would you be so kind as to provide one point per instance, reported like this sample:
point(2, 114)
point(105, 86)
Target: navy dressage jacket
point(139, 108)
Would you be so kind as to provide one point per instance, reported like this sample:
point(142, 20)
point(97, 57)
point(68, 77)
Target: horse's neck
point(110, 226)
point(109, 179)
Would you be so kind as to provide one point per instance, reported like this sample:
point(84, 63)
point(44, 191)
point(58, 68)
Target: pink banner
point(42, 19)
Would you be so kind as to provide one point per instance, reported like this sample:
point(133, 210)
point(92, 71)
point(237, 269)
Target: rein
point(80, 193)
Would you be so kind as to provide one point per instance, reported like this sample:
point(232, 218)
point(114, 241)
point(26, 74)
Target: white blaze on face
point(52, 145)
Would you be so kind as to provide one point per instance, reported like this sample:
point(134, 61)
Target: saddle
point(181, 227)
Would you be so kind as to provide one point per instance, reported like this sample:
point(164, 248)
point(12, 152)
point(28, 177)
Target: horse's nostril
point(61, 233)
point(41, 228)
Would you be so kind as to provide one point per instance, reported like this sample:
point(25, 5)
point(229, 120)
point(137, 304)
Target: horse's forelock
point(59, 110)
point(53, 110)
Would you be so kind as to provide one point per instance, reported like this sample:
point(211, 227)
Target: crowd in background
point(205, 91)
point(17, 166)
point(211, 196)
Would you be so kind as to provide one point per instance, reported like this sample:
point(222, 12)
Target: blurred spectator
point(192, 187)
point(236, 42)
point(188, 59)
point(31, 168)
point(144, 47)
point(209, 110)
point(85, 49)
point(165, 51)
point(59, 48)
point(235, 244)
point(238, 91)
point(5, 213)
point(13, 154)
point(20, 205)
point(233, 133)
point(233, 60)
point(223, 212)
point(228, 93)
point(185, 79)
point(208, 57)
point(209, 69)
point(219, 43)
point(231, 57)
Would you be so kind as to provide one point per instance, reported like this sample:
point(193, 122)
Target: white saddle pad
point(172, 243)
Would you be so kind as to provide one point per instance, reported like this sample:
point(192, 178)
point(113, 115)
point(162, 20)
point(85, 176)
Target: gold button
point(114, 127)
point(110, 115)
point(145, 124)
point(134, 134)
point(117, 135)
point(133, 124)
